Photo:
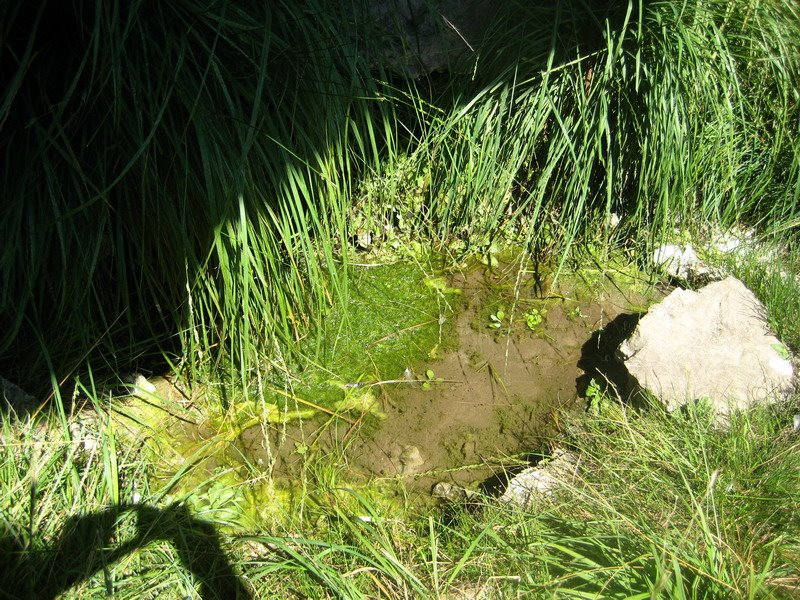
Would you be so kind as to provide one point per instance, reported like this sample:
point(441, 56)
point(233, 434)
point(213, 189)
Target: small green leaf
point(782, 350)
point(533, 318)
point(429, 374)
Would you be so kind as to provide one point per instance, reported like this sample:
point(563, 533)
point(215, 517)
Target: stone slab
point(714, 343)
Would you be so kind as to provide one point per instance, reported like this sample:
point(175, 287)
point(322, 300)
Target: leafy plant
point(533, 318)
point(496, 319)
point(431, 378)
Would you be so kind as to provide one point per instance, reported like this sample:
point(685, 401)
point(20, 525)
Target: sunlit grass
point(660, 505)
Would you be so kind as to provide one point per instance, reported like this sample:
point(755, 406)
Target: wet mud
point(475, 412)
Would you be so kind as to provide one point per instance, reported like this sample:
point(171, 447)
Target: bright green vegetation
point(772, 278)
point(191, 185)
point(199, 208)
point(661, 506)
point(396, 317)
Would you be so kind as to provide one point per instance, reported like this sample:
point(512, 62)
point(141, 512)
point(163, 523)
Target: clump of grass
point(660, 113)
point(78, 519)
point(770, 270)
point(167, 171)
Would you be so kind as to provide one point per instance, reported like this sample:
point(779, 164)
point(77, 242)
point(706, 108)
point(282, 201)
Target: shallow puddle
point(503, 387)
point(522, 353)
point(474, 412)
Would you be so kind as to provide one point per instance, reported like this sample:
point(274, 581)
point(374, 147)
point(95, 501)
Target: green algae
point(396, 315)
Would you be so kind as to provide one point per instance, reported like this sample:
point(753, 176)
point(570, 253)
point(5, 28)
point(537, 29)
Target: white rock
point(142, 386)
point(542, 479)
point(712, 344)
point(781, 366)
point(681, 262)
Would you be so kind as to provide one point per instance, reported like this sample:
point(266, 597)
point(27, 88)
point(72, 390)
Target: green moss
point(395, 315)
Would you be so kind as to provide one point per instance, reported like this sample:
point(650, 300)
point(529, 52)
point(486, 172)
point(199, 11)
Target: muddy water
point(501, 393)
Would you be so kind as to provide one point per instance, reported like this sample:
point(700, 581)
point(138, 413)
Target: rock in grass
point(713, 344)
point(681, 262)
point(15, 399)
point(422, 37)
point(451, 492)
point(541, 480)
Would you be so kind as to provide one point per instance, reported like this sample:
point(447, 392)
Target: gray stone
point(677, 261)
point(15, 398)
point(423, 36)
point(541, 480)
point(712, 344)
point(451, 492)
point(411, 460)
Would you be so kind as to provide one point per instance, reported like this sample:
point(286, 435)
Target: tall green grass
point(77, 520)
point(660, 506)
point(667, 114)
point(167, 170)
point(182, 179)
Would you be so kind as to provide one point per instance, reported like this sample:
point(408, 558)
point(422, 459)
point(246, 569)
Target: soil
point(491, 403)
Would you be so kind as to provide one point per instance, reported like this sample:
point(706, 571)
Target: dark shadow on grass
point(88, 544)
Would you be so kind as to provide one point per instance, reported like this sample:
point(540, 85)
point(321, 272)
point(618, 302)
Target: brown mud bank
point(520, 364)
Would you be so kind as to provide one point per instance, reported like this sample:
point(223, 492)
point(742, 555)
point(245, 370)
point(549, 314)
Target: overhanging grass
point(771, 272)
point(663, 113)
point(180, 179)
point(166, 170)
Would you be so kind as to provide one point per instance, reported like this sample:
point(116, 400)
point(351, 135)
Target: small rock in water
point(451, 492)
point(142, 386)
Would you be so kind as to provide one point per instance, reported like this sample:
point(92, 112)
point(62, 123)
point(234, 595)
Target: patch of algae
point(395, 315)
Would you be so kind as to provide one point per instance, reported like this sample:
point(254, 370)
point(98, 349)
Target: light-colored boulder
point(712, 344)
